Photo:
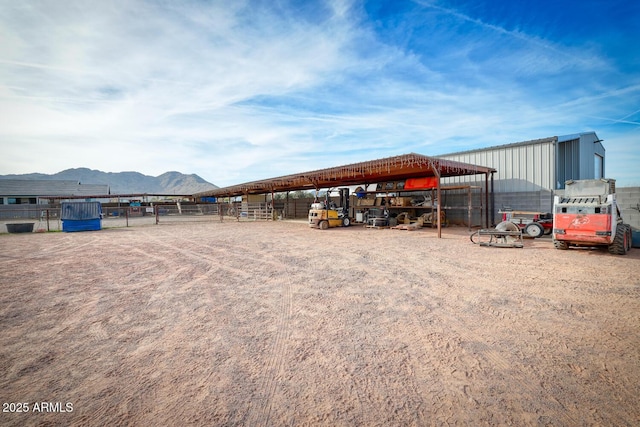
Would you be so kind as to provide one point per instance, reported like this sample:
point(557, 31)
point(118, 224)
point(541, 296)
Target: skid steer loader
point(588, 215)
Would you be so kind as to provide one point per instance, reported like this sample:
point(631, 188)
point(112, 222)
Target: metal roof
point(573, 136)
point(43, 188)
point(118, 196)
point(551, 139)
point(380, 170)
point(548, 140)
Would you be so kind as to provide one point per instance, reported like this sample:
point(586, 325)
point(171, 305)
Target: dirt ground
point(272, 324)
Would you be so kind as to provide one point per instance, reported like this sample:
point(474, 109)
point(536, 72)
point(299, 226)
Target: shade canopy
point(387, 169)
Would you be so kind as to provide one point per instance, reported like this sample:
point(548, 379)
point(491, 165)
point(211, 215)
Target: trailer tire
point(533, 229)
point(620, 241)
point(560, 244)
point(323, 225)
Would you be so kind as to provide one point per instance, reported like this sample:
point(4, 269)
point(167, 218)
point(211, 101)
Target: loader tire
point(620, 241)
point(560, 244)
point(629, 232)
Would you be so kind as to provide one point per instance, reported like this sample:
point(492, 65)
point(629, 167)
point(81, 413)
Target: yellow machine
point(327, 214)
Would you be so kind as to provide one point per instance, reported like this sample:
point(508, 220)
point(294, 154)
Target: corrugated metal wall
point(520, 167)
point(529, 172)
point(568, 161)
point(589, 147)
point(577, 157)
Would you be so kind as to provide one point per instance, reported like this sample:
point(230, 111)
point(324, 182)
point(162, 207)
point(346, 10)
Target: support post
point(286, 208)
point(469, 207)
point(273, 205)
point(436, 172)
point(486, 200)
point(493, 200)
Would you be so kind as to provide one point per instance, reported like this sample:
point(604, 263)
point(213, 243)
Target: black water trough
point(25, 227)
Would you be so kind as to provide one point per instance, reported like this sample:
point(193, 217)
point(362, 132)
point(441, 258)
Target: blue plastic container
point(70, 225)
point(636, 239)
point(81, 216)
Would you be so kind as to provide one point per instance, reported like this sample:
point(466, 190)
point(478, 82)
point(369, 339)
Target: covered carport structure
point(396, 168)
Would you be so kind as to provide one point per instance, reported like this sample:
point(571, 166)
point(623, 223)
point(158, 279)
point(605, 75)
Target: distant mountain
point(128, 182)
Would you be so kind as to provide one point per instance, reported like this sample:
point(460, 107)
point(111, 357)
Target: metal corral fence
point(46, 218)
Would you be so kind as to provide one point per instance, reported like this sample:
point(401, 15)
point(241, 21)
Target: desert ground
point(273, 324)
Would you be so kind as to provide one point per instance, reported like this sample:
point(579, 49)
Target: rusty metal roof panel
point(372, 171)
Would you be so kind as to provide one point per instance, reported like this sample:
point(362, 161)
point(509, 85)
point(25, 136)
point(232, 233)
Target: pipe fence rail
point(48, 218)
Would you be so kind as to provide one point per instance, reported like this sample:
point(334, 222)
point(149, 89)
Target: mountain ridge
point(128, 182)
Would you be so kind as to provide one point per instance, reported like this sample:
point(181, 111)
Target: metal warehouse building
point(529, 172)
point(36, 192)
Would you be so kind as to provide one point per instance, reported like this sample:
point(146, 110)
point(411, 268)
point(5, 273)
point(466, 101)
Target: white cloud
point(236, 91)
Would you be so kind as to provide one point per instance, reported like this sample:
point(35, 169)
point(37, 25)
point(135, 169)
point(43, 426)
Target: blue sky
point(244, 90)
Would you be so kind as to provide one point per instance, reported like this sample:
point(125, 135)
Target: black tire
point(533, 229)
point(629, 232)
point(324, 225)
point(620, 241)
point(560, 244)
point(346, 222)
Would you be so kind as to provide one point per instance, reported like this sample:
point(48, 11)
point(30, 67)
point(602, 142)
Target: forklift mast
point(344, 200)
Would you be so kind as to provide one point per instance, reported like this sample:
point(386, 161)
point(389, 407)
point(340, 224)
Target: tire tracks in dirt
point(260, 409)
point(261, 406)
point(451, 356)
point(208, 254)
point(464, 357)
point(172, 250)
point(69, 243)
